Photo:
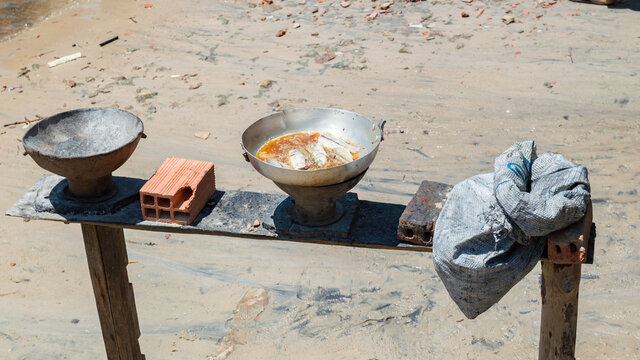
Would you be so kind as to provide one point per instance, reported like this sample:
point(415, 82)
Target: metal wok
point(315, 192)
point(85, 146)
point(356, 128)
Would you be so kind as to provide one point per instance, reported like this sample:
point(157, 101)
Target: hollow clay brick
point(571, 245)
point(419, 217)
point(178, 191)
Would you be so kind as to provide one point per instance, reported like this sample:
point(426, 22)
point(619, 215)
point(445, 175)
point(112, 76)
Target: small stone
point(75, 321)
point(266, 84)
point(281, 33)
point(386, 5)
point(256, 223)
point(508, 19)
point(464, 14)
point(204, 135)
point(296, 25)
point(404, 50)
point(345, 4)
point(72, 84)
point(315, 33)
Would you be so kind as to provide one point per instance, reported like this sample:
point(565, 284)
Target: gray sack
point(492, 229)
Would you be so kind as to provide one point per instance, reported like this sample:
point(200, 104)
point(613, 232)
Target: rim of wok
point(377, 140)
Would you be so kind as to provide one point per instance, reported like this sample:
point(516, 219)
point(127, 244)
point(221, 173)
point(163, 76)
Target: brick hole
point(181, 196)
point(165, 215)
point(148, 200)
point(573, 247)
point(181, 216)
point(150, 213)
point(164, 202)
point(408, 233)
point(558, 250)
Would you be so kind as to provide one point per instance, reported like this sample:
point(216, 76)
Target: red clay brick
point(178, 191)
point(571, 245)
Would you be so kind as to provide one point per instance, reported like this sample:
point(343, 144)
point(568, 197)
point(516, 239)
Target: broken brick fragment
point(178, 191)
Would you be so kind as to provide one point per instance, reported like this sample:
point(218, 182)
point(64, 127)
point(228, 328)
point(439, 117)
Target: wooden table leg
point(560, 285)
point(107, 258)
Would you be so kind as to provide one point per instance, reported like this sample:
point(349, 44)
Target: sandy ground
point(456, 91)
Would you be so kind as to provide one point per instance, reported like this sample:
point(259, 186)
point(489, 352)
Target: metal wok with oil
point(315, 192)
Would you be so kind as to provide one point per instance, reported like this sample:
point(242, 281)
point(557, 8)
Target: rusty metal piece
point(419, 217)
point(571, 245)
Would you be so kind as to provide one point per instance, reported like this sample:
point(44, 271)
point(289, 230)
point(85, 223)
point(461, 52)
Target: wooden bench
point(264, 216)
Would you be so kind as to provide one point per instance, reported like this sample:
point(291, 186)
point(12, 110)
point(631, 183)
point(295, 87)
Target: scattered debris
point(508, 19)
point(464, 14)
point(266, 84)
point(256, 223)
point(25, 122)
point(195, 86)
point(106, 42)
point(386, 5)
point(142, 97)
point(480, 12)
point(345, 4)
point(24, 71)
point(64, 59)
point(222, 99)
point(326, 57)
point(315, 33)
point(281, 33)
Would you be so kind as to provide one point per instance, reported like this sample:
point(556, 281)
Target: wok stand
point(229, 214)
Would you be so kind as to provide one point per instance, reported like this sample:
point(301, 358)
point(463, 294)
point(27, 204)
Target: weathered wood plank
point(229, 213)
point(100, 291)
point(107, 258)
point(560, 285)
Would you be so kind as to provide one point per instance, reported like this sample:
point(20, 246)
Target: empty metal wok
point(356, 128)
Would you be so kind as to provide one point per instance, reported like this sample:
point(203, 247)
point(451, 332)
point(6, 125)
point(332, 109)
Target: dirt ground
point(455, 91)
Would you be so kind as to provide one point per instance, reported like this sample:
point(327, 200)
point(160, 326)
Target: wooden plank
point(560, 285)
point(229, 213)
point(107, 257)
point(99, 283)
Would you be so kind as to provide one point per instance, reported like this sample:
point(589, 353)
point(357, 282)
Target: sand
point(566, 75)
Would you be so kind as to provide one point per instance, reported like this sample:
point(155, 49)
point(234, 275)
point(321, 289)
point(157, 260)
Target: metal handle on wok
point(381, 125)
point(244, 153)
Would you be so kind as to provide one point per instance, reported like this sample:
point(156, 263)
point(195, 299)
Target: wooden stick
point(107, 258)
point(560, 285)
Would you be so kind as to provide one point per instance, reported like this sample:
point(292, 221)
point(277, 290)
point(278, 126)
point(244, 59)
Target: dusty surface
point(456, 91)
